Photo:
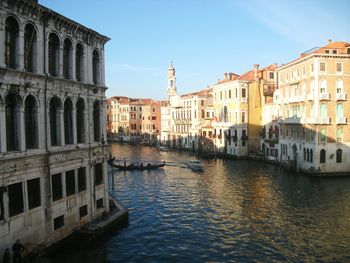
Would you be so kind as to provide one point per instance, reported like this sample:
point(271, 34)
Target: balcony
point(341, 96)
point(341, 120)
point(310, 96)
point(324, 96)
point(292, 120)
point(312, 120)
point(325, 120)
point(293, 99)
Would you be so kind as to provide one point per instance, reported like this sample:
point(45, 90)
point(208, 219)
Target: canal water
point(233, 211)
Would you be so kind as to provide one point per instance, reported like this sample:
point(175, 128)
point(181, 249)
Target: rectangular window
point(322, 67)
point(99, 203)
point(34, 196)
point(15, 194)
point(98, 174)
point(56, 187)
point(339, 67)
point(83, 211)
point(229, 94)
point(244, 91)
point(81, 179)
point(271, 75)
point(312, 68)
point(243, 117)
point(58, 222)
point(70, 183)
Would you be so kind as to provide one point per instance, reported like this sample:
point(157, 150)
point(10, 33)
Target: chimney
point(256, 68)
point(225, 75)
point(329, 41)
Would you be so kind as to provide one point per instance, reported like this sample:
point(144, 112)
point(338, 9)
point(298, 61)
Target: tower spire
point(171, 81)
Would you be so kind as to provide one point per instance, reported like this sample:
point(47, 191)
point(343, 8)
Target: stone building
point(53, 172)
point(315, 110)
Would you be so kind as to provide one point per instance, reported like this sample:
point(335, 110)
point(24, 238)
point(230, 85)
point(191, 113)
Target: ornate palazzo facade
point(53, 173)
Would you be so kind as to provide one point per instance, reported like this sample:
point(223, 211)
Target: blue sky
point(203, 38)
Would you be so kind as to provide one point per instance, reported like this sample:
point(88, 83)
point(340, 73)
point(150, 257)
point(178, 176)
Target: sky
point(203, 38)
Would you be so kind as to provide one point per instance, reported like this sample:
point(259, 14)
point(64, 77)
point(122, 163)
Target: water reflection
point(235, 211)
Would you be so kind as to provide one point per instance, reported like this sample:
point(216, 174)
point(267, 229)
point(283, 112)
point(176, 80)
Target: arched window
point(311, 156)
point(339, 135)
point(54, 47)
point(323, 110)
point(80, 121)
point(31, 122)
point(339, 155)
point(304, 154)
point(339, 110)
point(11, 42)
point(30, 46)
point(67, 59)
point(79, 62)
point(323, 135)
point(96, 67)
point(323, 86)
point(55, 124)
point(307, 155)
point(12, 122)
point(339, 86)
point(68, 121)
point(203, 114)
point(322, 156)
point(96, 117)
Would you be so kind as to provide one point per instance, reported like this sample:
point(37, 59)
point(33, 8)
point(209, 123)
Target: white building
point(53, 174)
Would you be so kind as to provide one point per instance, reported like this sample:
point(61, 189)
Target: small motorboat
point(195, 165)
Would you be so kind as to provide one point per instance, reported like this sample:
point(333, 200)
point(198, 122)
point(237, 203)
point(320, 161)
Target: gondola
point(133, 167)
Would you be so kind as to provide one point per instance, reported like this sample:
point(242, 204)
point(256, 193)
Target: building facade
point(52, 161)
point(315, 110)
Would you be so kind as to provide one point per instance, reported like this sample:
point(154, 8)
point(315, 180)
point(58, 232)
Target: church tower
point(171, 81)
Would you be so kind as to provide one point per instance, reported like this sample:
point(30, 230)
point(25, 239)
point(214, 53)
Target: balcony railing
point(341, 96)
point(312, 120)
point(324, 96)
point(325, 120)
point(293, 120)
point(341, 120)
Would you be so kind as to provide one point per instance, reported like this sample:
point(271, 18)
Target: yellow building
point(315, 110)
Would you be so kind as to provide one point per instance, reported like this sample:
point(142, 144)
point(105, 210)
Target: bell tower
point(171, 81)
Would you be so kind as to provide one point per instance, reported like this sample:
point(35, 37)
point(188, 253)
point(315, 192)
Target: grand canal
point(234, 211)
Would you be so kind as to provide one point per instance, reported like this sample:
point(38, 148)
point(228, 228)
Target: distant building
point(52, 91)
point(184, 116)
point(315, 110)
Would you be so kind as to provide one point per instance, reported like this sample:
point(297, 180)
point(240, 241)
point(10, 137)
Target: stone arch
point(68, 121)
point(80, 120)
point(79, 61)
point(55, 112)
point(53, 54)
point(96, 67)
point(67, 58)
point(31, 122)
point(12, 28)
point(12, 116)
point(30, 48)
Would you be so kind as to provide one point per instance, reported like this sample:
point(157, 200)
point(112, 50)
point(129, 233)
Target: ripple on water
point(235, 211)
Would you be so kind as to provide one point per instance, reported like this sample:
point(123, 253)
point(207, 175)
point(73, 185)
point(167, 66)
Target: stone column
point(74, 122)
point(22, 133)
point(61, 127)
point(2, 130)
point(2, 48)
point(39, 52)
point(102, 68)
point(60, 63)
point(72, 70)
point(20, 51)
